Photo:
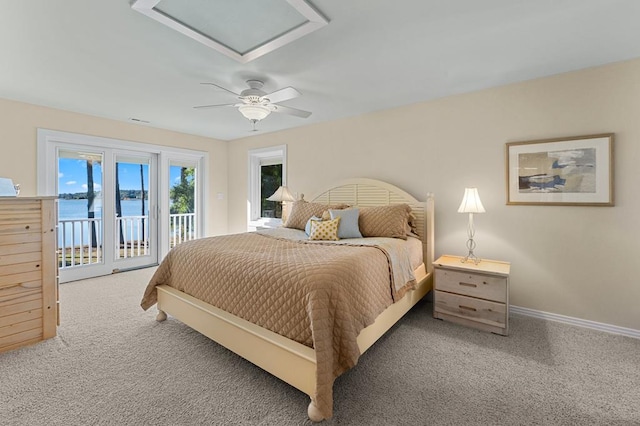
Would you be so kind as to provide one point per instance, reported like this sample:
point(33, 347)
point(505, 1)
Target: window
point(270, 181)
point(267, 171)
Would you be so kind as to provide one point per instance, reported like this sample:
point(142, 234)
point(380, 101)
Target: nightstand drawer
point(472, 284)
point(477, 310)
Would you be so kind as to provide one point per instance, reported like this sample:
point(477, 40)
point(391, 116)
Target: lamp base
point(471, 257)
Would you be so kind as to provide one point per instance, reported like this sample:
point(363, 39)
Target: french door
point(107, 205)
point(136, 202)
point(122, 204)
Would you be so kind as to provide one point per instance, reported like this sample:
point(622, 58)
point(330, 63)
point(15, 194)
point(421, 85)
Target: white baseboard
point(629, 332)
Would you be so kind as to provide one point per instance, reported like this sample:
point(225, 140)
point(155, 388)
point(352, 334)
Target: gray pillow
point(348, 227)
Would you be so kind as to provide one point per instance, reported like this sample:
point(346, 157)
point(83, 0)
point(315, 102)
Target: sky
point(72, 176)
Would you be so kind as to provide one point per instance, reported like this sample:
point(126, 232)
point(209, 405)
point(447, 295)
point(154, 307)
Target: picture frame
point(568, 171)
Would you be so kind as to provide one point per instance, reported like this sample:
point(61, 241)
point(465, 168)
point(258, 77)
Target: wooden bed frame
point(284, 358)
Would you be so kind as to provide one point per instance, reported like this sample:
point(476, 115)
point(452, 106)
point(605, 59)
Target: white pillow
point(307, 227)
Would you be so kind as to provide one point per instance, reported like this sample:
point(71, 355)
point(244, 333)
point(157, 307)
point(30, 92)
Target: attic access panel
point(241, 29)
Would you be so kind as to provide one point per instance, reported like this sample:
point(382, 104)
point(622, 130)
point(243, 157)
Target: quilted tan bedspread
point(320, 295)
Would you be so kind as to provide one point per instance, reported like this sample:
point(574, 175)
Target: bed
point(304, 358)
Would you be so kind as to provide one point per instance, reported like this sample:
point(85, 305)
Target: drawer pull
point(468, 284)
point(467, 308)
point(27, 227)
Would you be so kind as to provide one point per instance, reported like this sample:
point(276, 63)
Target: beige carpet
point(113, 364)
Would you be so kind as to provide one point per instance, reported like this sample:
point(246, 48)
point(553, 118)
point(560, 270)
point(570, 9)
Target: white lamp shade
point(254, 112)
point(281, 194)
point(471, 202)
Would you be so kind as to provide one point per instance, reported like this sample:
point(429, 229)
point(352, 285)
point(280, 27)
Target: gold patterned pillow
point(325, 230)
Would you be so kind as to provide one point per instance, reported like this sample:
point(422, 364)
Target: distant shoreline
point(125, 194)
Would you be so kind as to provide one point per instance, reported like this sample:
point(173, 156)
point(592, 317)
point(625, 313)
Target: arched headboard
point(363, 192)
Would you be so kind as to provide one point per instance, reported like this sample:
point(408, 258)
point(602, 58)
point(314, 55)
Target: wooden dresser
point(472, 295)
point(28, 270)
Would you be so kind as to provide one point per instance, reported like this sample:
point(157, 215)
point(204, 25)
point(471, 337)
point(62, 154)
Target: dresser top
point(486, 266)
point(44, 197)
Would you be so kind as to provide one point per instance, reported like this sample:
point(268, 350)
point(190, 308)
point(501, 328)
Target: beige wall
point(19, 123)
point(575, 261)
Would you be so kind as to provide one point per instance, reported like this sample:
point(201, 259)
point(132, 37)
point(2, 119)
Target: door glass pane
point(79, 208)
point(270, 181)
point(182, 202)
point(132, 207)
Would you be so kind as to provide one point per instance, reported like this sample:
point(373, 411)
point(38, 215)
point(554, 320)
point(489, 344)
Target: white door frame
point(152, 257)
point(50, 141)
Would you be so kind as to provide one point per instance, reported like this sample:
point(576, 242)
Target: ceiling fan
point(256, 104)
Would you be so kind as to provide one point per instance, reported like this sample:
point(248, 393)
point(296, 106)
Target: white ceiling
point(102, 58)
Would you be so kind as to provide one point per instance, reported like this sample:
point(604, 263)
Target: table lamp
point(282, 195)
point(471, 204)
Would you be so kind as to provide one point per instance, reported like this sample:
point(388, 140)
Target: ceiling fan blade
point(291, 111)
point(282, 95)
point(214, 106)
point(223, 88)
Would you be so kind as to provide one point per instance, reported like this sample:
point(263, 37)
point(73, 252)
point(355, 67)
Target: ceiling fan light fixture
point(254, 112)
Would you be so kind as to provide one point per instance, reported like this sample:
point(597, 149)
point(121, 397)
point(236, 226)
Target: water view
point(82, 238)
point(77, 209)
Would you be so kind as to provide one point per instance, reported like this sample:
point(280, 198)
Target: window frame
point(258, 158)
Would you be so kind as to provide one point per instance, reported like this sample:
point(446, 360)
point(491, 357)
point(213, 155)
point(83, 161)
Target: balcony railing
point(182, 228)
point(80, 240)
point(78, 243)
point(131, 237)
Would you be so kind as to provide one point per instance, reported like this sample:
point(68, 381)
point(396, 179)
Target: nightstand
point(472, 295)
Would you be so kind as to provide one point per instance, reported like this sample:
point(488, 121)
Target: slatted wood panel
point(370, 193)
point(30, 237)
point(28, 271)
point(10, 259)
point(21, 303)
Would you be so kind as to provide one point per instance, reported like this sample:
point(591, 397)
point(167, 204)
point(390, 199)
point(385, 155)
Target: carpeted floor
point(113, 364)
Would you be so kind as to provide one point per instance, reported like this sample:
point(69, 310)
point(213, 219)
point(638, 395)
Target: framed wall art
point(572, 171)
